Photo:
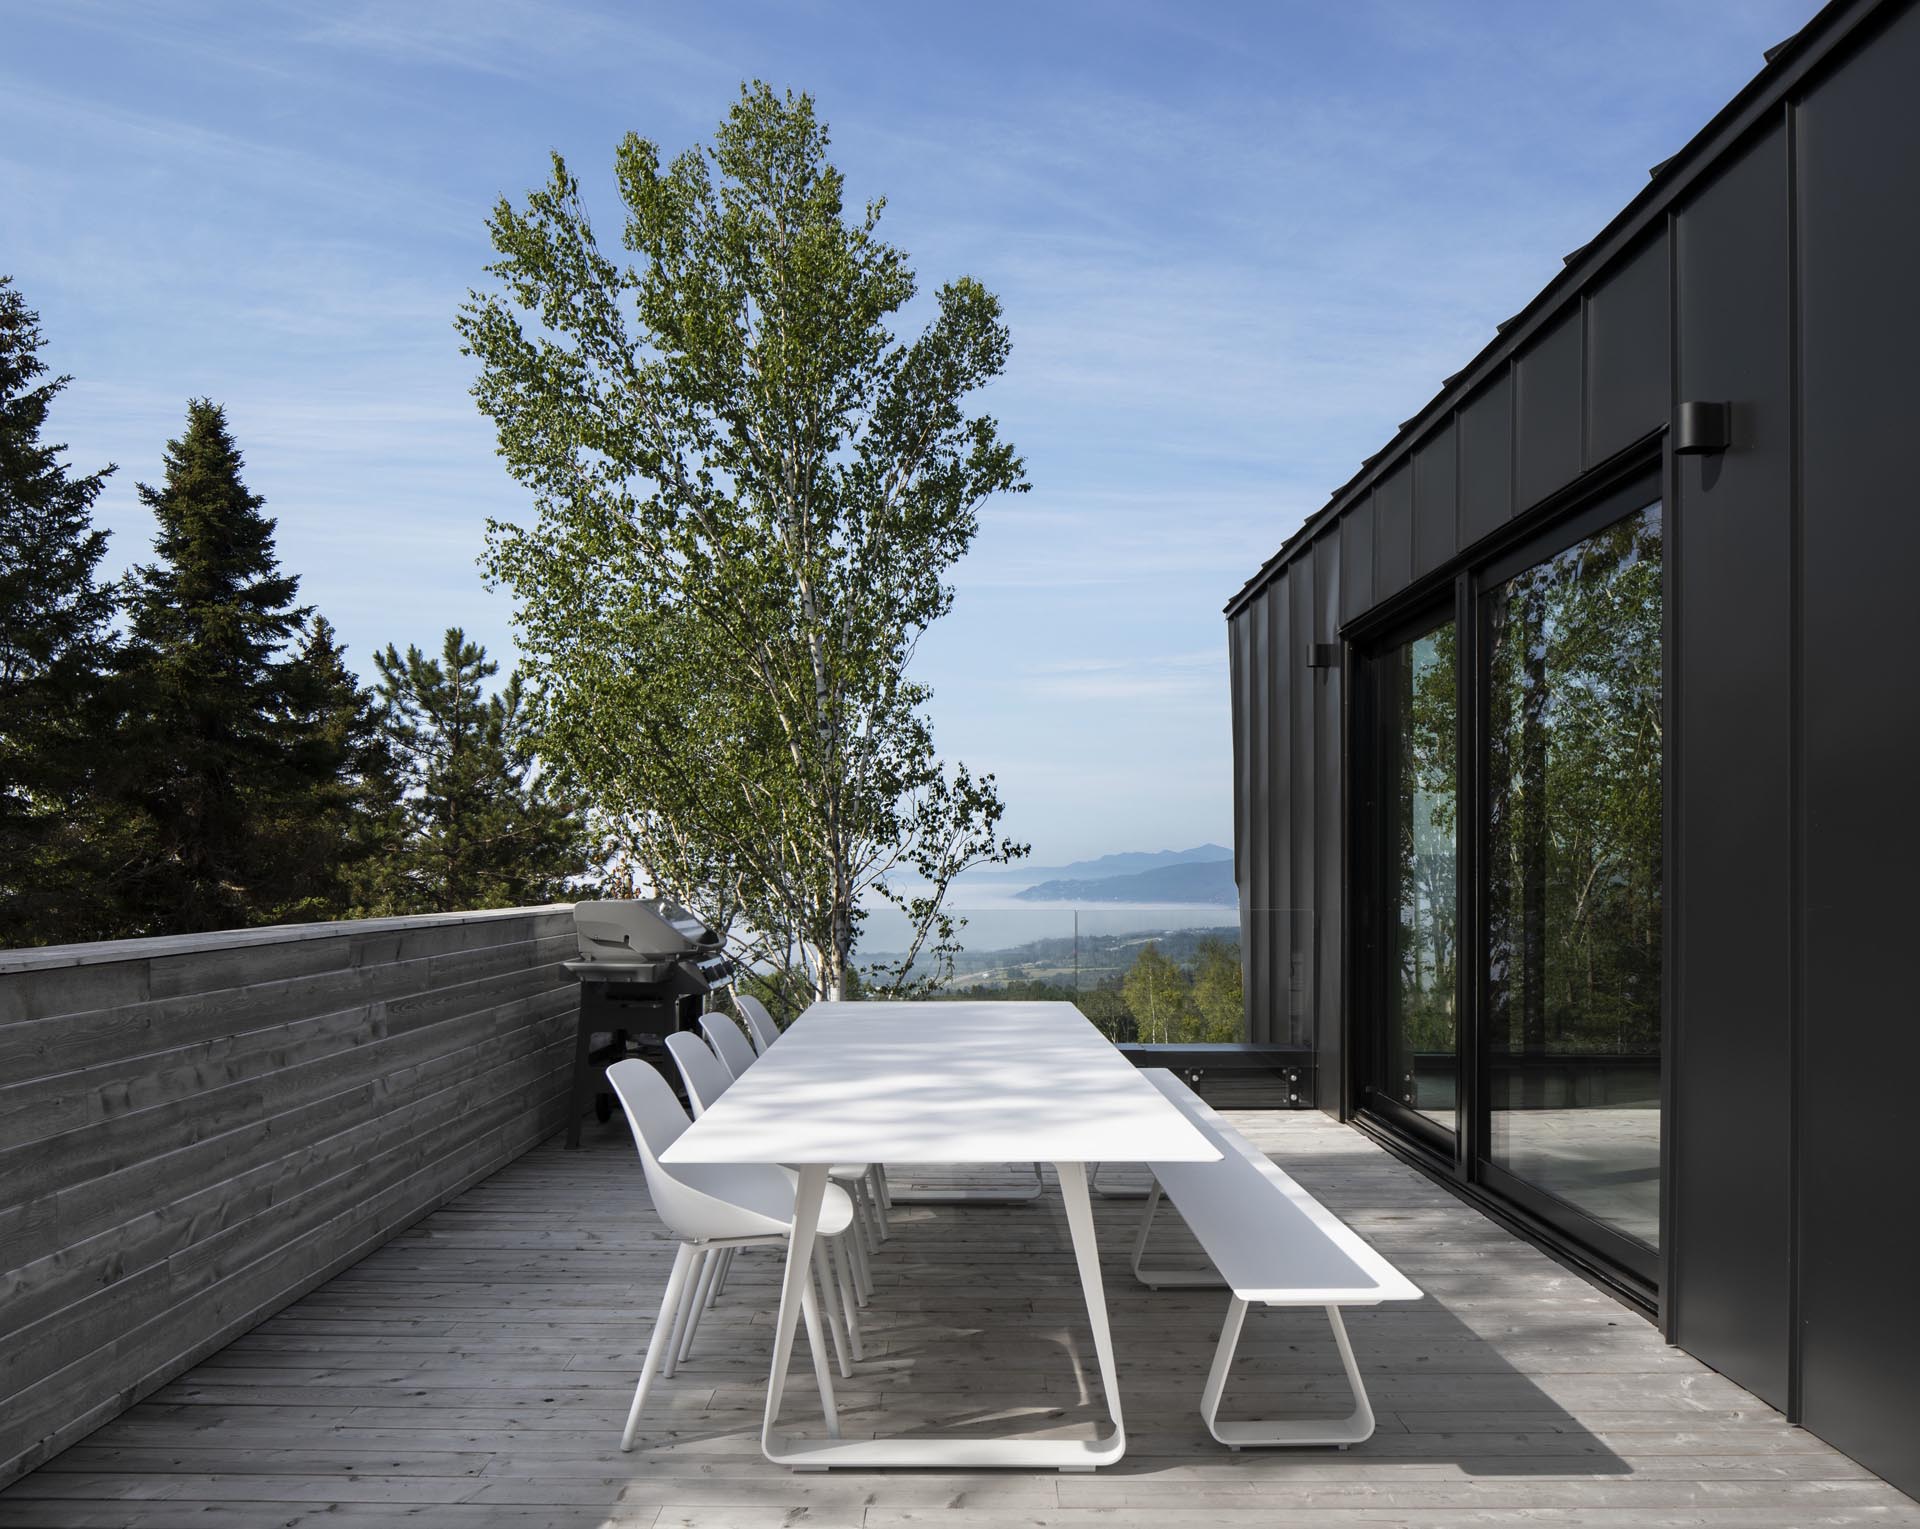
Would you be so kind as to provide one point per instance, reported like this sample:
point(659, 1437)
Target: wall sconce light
point(1702, 428)
point(1323, 655)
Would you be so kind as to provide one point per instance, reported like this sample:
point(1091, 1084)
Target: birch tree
point(748, 494)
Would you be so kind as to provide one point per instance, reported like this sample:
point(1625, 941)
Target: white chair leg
point(817, 1342)
point(697, 1306)
point(663, 1326)
point(863, 1209)
point(720, 1280)
point(863, 1268)
point(849, 1301)
point(857, 1259)
point(842, 1349)
point(1354, 1428)
point(874, 1208)
point(885, 1192)
point(671, 1360)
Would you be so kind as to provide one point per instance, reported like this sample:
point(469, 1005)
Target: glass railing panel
point(1162, 974)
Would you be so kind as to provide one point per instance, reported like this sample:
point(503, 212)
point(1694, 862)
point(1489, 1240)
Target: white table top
point(942, 1082)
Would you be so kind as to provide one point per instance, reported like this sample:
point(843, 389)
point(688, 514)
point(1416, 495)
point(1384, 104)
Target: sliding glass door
point(1512, 880)
point(1573, 878)
point(1416, 1067)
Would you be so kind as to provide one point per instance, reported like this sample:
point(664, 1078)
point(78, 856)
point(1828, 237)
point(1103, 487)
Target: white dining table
point(946, 1083)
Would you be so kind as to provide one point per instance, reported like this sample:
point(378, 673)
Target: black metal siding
point(1857, 193)
point(1627, 352)
point(1301, 905)
point(1778, 276)
point(1328, 901)
point(1733, 789)
point(1356, 559)
point(1393, 533)
point(1547, 412)
point(1486, 461)
point(1435, 500)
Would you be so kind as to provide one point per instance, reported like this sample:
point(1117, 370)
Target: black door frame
point(1632, 480)
point(1374, 839)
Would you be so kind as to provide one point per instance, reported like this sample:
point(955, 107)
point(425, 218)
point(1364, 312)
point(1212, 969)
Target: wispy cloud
point(1236, 245)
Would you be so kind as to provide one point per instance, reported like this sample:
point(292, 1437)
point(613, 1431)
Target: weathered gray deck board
point(474, 1372)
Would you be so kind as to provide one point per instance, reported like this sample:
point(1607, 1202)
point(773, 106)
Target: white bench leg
point(1155, 1278)
point(1093, 1183)
point(1351, 1429)
point(1008, 1196)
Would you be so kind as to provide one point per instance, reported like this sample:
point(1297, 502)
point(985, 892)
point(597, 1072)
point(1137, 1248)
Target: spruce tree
point(342, 831)
point(487, 827)
point(55, 642)
point(215, 769)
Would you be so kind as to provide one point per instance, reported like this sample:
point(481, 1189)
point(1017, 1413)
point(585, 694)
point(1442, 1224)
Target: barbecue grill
point(645, 969)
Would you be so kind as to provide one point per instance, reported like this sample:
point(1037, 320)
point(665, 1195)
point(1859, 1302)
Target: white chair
point(860, 1179)
point(711, 1208)
point(729, 1043)
point(706, 1080)
point(760, 1023)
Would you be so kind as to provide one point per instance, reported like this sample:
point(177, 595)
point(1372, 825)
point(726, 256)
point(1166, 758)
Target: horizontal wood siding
point(196, 1131)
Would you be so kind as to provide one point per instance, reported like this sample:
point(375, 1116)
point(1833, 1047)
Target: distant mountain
point(1127, 863)
point(1191, 881)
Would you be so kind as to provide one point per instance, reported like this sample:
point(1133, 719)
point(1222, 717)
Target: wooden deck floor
point(475, 1372)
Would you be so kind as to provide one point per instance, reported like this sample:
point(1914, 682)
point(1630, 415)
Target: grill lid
point(633, 930)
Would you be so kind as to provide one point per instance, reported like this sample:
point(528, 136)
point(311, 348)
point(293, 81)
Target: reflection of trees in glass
point(1574, 745)
point(1426, 945)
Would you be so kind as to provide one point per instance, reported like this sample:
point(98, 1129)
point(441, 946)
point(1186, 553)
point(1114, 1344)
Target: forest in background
point(185, 748)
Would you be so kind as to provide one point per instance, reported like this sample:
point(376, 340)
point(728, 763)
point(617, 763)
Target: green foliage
point(1574, 831)
point(352, 820)
point(484, 825)
point(1219, 992)
point(214, 772)
point(1427, 944)
point(1160, 997)
point(748, 494)
point(55, 641)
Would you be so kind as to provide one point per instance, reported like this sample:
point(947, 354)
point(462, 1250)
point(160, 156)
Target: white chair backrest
point(759, 1022)
point(747, 1200)
point(729, 1044)
point(704, 1073)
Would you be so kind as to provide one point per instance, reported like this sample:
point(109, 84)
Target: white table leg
point(1086, 1251)
point(946, 1454)
point(796, 1289)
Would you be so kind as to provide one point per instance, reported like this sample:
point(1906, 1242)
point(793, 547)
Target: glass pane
point(1422, 1062)
point(1574, 875)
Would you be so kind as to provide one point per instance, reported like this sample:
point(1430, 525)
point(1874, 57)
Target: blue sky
point(1236, 245)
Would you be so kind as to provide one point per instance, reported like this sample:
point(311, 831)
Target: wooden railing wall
point(195, 1131)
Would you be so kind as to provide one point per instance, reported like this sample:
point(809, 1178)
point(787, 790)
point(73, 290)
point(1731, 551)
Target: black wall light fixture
point(1702, 428)
point(1323, 655)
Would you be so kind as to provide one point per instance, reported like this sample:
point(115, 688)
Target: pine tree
point(344, 829)
point(487, 829)
point(215, 764)
point(55, 642)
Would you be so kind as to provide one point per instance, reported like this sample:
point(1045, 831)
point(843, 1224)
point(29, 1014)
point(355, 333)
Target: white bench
point(1271, 1242)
